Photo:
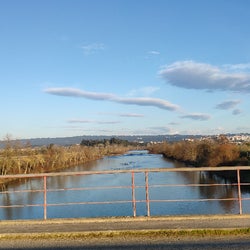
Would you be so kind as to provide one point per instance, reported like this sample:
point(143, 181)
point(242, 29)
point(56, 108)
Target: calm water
point(132, 160)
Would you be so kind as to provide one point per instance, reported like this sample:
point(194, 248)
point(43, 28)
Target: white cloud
point(79, 121)
point(79, 93)
point(92, 48)
point(92, 121)
point(140, 101)
point(153, 52)
point(147, 101)
point(197, 116)
point(108, 122)
point(131, 115)
point(121, 114)
point(193, 75)
point(227, 104)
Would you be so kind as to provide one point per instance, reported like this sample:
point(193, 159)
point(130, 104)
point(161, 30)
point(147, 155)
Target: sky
point(124, 67)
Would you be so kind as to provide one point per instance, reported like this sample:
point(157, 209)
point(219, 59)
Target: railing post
point(239, 190)
point(45, 198)
point(147, 193)
point(133, 194)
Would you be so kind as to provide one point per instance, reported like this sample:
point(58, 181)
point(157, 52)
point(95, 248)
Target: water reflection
point(123, 207)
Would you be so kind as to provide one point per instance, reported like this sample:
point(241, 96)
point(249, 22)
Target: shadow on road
point(245, 245)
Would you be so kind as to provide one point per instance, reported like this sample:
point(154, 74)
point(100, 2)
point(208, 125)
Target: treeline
point(107, 142)
point(23, 159)
point(204, 153)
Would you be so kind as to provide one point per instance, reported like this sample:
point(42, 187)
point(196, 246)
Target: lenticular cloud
point(155, 102)
point(193, 75)
point(79, 93)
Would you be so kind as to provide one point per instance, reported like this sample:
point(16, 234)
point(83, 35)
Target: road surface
point(127, 243)
point(127, 233)
point(124, 223)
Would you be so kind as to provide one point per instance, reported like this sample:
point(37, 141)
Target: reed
point(203, 153)
point(24, 160)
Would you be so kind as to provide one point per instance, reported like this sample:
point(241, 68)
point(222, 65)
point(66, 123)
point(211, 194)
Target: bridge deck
point(62, 226)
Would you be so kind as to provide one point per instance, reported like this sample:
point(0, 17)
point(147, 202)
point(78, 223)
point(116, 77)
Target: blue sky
point(124, 67)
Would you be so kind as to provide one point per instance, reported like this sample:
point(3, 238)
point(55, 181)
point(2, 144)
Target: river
point(131, 160)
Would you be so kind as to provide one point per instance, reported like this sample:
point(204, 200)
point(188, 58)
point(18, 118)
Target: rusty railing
point(147, 186)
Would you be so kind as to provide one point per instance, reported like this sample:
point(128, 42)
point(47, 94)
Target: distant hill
point(67, 141)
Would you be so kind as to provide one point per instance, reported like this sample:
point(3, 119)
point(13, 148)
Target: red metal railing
point(133, 201)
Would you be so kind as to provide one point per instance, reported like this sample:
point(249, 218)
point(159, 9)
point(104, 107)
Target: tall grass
point(203, 153)
point(16, 159)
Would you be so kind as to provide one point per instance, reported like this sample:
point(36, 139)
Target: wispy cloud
point(147, 101)
point(197, 116)
point(79, 121)
point(154, 52)
point(121, 114)
point(236, 112)
point(92, 48)
point(71, 92)
point(227, 104)
point(140, 101)
point(92, 121)
point(174, 123)
point(131, 115)
point(193, 75)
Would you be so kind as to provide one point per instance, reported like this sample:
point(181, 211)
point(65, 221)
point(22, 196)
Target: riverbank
point(26, 160)
point(204, 153)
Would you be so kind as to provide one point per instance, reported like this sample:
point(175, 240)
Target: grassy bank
point(204, 153)
point(19, 159)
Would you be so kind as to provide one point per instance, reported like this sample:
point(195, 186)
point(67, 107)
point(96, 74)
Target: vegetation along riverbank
point(16, 158)
point(205, 153)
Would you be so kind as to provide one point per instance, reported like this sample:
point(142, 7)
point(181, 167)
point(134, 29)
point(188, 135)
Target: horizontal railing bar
point(196, 200)
point(120, 202)
point(189, 169)
point(22, 206)
point(22, 191)
point(195, 185)
point(191, 200)
point(121, 187)
point(87, 188)
point(88, 203)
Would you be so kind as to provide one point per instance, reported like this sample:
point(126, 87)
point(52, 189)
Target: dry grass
point(197, 233)
point(26, 160)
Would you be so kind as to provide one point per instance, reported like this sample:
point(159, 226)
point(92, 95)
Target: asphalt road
point(124, 223)
point(103, 233)
point(128, 243)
